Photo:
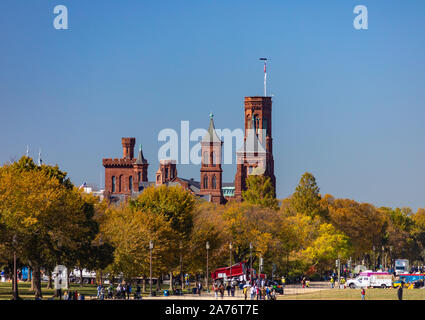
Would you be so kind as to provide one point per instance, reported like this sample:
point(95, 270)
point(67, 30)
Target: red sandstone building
point(128, 176)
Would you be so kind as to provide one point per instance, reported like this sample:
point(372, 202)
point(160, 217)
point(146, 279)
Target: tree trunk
point(32, 282)
point(68, 273)
point(171, 281)
point(49, 283)
point(144, 284)
point(37, 282)
point(81, 277)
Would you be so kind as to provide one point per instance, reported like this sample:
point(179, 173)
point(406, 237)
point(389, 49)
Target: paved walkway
point(289, 290)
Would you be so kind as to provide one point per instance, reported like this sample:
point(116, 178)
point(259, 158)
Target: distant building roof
point(227, 185)
point(192, 185)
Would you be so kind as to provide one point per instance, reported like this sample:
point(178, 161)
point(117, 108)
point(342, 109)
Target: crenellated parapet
point(122, 162)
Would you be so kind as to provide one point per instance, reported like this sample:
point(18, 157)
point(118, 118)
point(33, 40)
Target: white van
point(374, 280)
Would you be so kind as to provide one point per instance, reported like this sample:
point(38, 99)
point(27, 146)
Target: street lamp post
point(383, 257)
point(101, 272)
point(207, 246)
point(15, 275)
point(230, 247)
point(250, 260)
point(150, 267)
point(374, 260)
point(181, 265)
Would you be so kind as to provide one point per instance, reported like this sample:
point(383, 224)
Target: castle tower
point(128, 147)
point(258, 138)
point(167, 171)
point(211, 171)
point(140, 170)
point(122, 176)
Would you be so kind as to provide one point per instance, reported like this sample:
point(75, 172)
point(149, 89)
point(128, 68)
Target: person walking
point(400, 291)
point(228, 289)
point(102, 294)
point(199, 287)
point(245, 291)
point(128, 290)
point(99, 289)
point(232, 290)
point(252, 291)
point(123, 290)
point(215, 289)
point(363, 294)
point(110, 291)
point(332, 282)
point(222, 291)
point(268, 292)
point(138, 292)
point(263, 293)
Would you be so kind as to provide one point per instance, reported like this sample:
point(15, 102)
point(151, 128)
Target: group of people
point(122, 291)
point(334, 280)
point(258, 289)
point(305, 283)
point(72, 295)
point(260, 293)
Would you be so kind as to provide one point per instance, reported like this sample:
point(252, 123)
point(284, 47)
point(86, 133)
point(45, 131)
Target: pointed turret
point(140, 159)
point(211, 135)
point(211, 172)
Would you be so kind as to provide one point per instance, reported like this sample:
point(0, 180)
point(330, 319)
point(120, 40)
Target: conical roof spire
point(140, 159)
point(211, 135)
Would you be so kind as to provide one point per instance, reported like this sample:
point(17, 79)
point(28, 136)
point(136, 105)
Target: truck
point(374, 280)
point(401, 266)
point(239, 271)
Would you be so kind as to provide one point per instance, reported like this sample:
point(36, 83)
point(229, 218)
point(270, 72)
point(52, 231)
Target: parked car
point(277, 286)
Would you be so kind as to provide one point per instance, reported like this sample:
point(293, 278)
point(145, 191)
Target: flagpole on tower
point(265, 75)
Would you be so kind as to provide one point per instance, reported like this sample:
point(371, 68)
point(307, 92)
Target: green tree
point(260, 191)
point(306, 198)
point(130, 230)
point(174, 203)
point(41, 212)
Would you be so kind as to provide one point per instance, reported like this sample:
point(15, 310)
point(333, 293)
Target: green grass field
point(88, 290)
point(354, 294)
point(25, 293)
point(330, 294)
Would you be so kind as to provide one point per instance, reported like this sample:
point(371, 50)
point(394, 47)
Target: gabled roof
point(194, 186)
point(140, 158)
point(211, 135)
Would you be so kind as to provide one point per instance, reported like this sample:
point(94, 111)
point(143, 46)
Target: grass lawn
point(25, 293)
point(87, 290)
point(354, 294)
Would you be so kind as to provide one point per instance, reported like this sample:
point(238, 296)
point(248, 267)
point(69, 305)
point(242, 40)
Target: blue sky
point(348, 105)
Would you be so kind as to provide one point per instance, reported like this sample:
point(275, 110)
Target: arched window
point(205, 182)
point(113, 183)
point(166, 173)
point(119, 184)
point(139, 176)
point(130, 183)
point(214, 156)
point(206, 158)
point(214, 182)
